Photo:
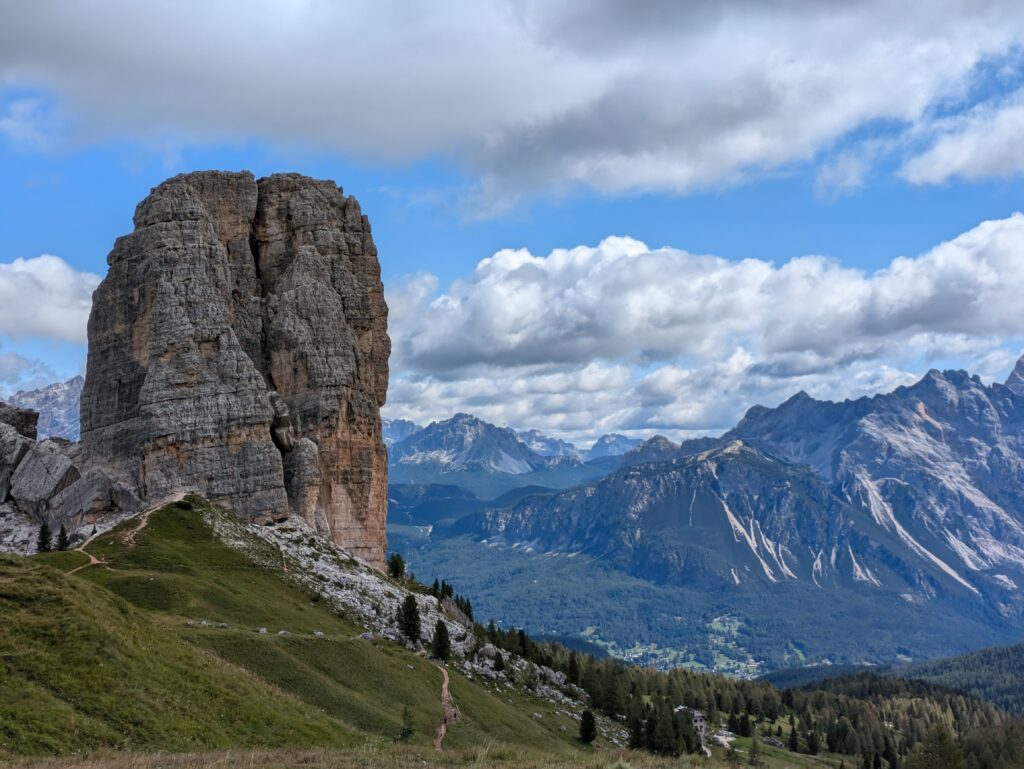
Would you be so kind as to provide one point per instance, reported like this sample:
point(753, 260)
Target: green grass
point(157, 649)
point(65, 560)
point(83, 669)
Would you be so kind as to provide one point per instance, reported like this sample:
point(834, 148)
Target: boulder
point(22, 420)
point(18, 532)
point(91, 497)
point(45, 471)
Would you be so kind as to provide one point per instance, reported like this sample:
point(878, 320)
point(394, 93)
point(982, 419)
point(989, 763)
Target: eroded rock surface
point(22, 420)
point(238, 348)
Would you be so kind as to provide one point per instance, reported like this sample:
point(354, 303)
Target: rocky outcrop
point(43, 481)
point(22, 420)
point(238, 348)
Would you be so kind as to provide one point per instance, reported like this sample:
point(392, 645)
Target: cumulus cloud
point(985, 142)
point(622, 335)
point(544, 94)
point(45, 297)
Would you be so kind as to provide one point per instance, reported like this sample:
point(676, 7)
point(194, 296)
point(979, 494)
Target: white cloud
point(26, 123)
point(45, 297)
point(985, 142)
point(536, 95)
point(20, 373)
point(628, 337)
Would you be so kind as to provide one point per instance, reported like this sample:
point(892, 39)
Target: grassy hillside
point(159, 648)
point(84, 669)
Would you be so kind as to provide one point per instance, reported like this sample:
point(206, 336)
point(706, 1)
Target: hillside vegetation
point(159, 649)
point(995, 674)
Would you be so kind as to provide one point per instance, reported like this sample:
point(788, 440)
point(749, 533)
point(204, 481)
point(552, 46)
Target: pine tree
point(663, 740)
point(409, 619)
point(396, 566)
point(794, 741)
point(44, 543)
point(813, 743)
point(435, 590)
point(574, 668)
point(746, 728)
point(588, 727)
point(441, 646)
point(636, 732)
point(754, 759)
point(63, 543)
point(499, 662)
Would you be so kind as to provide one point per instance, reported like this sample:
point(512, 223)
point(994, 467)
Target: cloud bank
point(623, 336)
point(45, 298)
point(536, 95)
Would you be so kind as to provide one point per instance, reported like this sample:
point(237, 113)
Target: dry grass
point(490, 755)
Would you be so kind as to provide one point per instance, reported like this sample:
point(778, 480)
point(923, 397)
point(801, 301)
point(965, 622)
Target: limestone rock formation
point(238, 348)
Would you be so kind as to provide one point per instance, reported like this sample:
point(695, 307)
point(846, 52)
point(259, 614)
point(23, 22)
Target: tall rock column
point(231, 296)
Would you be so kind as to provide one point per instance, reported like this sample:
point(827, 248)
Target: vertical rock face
point(238, 347)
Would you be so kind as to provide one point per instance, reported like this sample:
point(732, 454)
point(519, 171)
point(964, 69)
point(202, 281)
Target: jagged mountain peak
point(547, 446)
point(395, 430)
point(467, 442)
point(656, 449)
point(611, 445)
point(1016, 379)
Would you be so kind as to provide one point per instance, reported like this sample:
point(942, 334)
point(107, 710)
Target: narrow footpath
point(449, 713)
point(129, 536)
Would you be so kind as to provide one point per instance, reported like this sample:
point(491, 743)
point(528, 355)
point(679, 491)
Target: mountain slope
point(83, 668)
point(903, 509)
point(939, 465)
point(159, 647)
point(995, 675)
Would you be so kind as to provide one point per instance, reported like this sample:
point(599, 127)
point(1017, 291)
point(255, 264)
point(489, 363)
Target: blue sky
point(728, 130)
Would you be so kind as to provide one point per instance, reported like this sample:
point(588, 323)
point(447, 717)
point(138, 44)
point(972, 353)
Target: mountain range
point(487, 460)
point(903, 509)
